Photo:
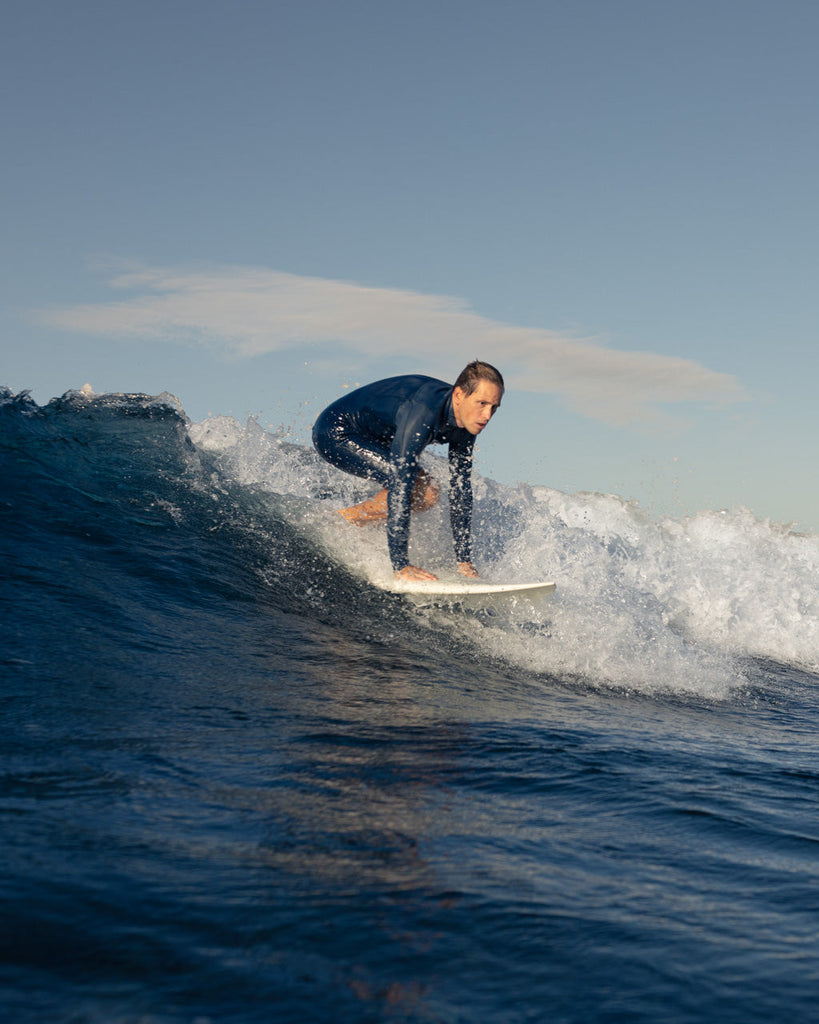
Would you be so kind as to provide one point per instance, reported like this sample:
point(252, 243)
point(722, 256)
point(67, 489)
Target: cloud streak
point(250, 312)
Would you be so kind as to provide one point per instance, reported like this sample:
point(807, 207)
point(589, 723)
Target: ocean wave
point(229, 510)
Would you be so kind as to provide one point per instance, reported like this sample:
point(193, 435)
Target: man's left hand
point(467, 569)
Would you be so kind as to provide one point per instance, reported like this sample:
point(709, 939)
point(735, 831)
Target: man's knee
point(425, 492)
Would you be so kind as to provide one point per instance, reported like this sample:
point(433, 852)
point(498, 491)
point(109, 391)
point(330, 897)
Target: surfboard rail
point(463, 588)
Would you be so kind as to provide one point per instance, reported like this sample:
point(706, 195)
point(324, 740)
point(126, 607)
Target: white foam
point(651, 604)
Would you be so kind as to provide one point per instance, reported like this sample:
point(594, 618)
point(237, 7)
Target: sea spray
point(642, 603)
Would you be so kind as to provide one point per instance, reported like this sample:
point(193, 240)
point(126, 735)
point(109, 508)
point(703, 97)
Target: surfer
point(379, 431)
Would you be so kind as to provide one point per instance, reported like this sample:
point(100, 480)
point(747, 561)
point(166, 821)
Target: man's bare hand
point(414, 572)
point(467, 569)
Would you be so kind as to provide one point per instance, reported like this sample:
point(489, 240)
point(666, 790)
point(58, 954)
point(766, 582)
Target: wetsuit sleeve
point(414, 431)
point(460, 500)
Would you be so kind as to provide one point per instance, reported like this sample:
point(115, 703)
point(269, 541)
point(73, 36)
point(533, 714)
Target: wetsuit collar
point(447, 422)
point(447, 428)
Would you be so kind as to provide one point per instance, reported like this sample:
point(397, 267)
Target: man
point(379, 431)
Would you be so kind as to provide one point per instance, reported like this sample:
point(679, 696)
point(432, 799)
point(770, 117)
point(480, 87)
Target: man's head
point(476, 371)
point(477, 396)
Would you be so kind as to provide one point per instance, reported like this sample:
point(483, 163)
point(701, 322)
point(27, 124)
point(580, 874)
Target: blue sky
point(255, 204)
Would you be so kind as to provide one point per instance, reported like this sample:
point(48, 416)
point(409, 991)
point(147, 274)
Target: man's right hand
point(414, 572)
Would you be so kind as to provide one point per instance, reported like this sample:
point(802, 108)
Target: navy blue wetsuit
point(379, 431)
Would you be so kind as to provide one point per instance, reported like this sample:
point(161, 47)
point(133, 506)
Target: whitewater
point(240, 783)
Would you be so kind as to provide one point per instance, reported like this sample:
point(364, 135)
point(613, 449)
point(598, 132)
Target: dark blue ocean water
point(239, 784)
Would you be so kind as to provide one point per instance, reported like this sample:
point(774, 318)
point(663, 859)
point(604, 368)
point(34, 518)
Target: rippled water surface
point(241, 784)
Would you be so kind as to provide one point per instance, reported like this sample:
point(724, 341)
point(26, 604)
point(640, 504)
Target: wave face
point(237, 776)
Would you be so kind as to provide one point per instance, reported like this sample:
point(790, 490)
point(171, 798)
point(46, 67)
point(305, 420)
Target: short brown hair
point(475, 372)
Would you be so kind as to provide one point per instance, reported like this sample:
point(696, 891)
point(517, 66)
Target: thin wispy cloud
point(250, 312)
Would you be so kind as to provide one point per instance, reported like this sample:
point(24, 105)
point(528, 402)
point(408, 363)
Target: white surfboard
point(455, 589)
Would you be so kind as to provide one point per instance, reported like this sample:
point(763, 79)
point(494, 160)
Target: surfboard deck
point(464, 588)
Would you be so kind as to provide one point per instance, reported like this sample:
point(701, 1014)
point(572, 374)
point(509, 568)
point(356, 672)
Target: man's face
point(474, 411)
